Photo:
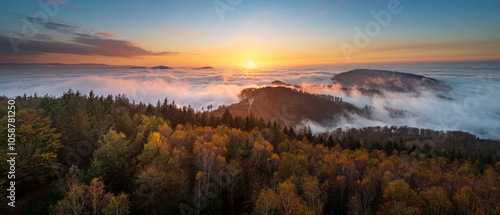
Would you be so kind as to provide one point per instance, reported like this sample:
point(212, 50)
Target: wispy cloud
point(61, 27)
point(104, 35)
point(83, 41)
point(81, 46)
point(44, 37)
point(323, 12)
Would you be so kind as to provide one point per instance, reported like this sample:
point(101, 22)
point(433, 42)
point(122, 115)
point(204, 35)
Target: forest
point(91, 154)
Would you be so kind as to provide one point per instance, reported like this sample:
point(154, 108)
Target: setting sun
point(250, 63)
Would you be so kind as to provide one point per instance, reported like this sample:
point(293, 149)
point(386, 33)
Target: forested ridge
point(109, 155)
point(290, 106)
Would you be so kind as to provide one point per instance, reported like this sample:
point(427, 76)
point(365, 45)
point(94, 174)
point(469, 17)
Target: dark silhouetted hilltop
point(291, 106)
point(389, 81)
point(205, 67)
point(161, 67)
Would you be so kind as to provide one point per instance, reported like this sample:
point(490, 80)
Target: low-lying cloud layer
point(474, 105)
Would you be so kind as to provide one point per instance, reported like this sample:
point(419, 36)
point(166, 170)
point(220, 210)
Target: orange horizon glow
point(242, 60)
point(234, 55)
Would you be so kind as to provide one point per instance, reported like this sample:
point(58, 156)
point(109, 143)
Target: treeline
point(452, 144)
point(78, 117)
point(164, 159)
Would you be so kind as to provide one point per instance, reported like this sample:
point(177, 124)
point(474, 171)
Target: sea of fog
point(474, 105)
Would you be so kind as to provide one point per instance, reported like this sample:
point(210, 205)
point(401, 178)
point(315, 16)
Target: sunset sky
point(268, 33)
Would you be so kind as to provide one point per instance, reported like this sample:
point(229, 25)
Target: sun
point(250, 63)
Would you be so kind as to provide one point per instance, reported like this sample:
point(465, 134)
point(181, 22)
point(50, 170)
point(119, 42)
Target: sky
point(185, 33)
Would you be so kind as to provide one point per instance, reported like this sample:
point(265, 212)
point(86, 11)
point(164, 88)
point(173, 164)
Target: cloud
point(317, 14)
point(83, 41)
point(185, 86)
point(80, 46)
point(44, 37)
point(64, 28)
point(62, 24)
point(104, 35)
point(323, 12)
point(474, 107)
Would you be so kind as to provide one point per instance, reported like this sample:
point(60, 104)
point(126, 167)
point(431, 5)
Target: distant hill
point(205, 67)
point(161, 67)
point(389, 81)
point(290, 106)
point(61, 66)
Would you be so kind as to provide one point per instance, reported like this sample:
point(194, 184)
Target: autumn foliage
point(169, 160)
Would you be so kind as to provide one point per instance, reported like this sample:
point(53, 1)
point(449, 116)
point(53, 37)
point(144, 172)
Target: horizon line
point(267, 66)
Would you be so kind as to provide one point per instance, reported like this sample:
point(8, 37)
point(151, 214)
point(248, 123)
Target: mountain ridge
point(389, 81)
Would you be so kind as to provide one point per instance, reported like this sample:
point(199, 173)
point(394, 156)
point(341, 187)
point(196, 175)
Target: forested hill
point(389, 81)
point(288, 106)
point(85, 154)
